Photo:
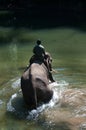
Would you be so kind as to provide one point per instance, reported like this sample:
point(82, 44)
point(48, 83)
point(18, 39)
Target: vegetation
point(13, 4)
point(42, 13)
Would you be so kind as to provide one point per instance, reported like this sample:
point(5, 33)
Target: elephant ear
point(48, 62)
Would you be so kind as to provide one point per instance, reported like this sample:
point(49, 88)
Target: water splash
point(1, 102)
point(16, 103)
point(9, 104)
point(58, 88)
point(83, 126)
point(35, 113)
point(16, 84)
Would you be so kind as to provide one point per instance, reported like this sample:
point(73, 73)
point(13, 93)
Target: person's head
point(38, 42)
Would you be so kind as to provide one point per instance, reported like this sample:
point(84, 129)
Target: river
point(67, 109)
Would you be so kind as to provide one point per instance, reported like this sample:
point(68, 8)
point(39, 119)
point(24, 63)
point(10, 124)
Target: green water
point(68, 50)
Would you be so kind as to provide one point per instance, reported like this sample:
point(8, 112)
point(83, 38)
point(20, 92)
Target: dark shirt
point(39, 50)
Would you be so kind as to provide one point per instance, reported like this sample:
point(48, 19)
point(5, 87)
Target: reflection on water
point(13, 52)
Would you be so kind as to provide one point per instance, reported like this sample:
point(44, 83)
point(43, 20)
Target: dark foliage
point(43, 13)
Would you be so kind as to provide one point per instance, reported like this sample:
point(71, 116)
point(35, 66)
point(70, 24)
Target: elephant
point(35, 83)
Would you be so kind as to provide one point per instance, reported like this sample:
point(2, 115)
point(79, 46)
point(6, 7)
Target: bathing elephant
point(35, 83)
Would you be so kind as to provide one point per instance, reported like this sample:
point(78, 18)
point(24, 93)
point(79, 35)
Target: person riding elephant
point(41, 55)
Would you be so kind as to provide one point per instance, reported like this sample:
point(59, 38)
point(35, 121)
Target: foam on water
point(9, 104)
point(16, 84)
point(58, 88)
point(83, 126)
point(1, 102)
point(35, 113)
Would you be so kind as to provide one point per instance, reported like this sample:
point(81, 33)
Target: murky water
point(67, 109)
